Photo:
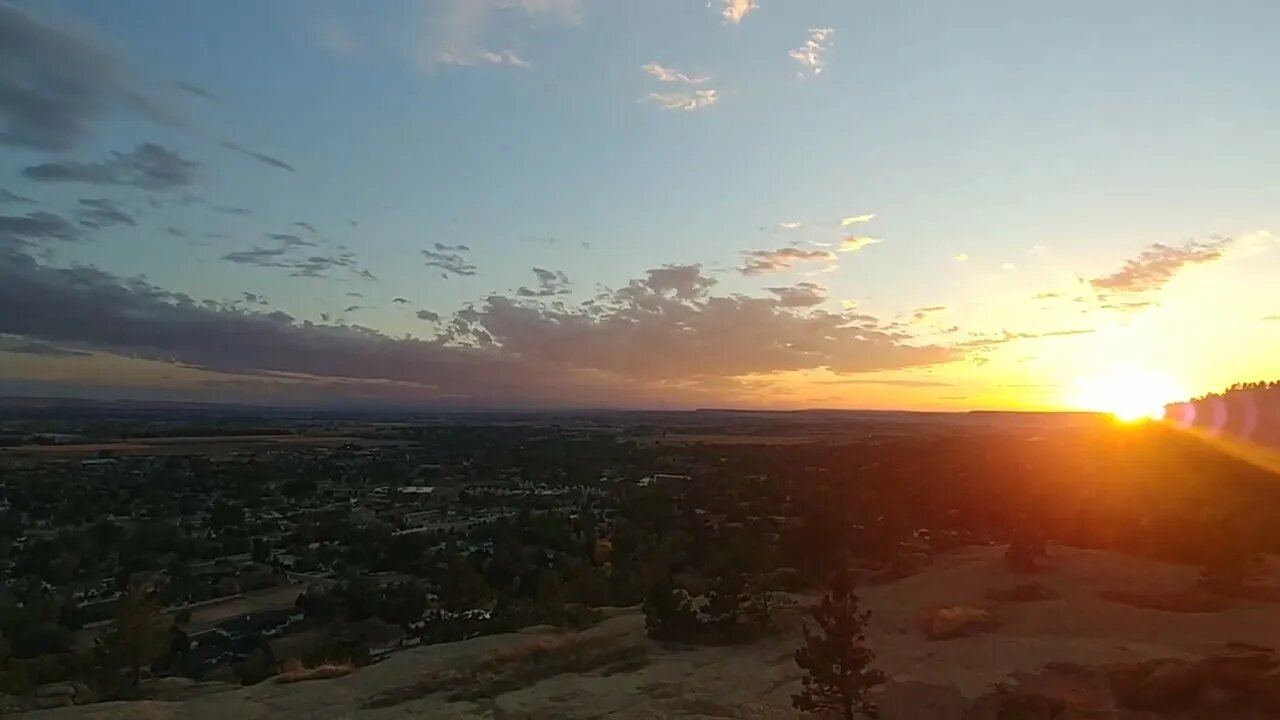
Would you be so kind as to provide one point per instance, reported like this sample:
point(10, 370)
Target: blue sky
point(1007, 150)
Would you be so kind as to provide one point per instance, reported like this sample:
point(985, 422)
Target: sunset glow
point(1129, 395)
point(786, 206)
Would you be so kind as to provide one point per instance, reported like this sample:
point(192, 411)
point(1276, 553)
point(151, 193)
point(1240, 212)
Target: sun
point(1128, 395)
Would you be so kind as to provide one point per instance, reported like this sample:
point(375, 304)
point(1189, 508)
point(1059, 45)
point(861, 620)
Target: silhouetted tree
point(836, 660)
point(138, 637)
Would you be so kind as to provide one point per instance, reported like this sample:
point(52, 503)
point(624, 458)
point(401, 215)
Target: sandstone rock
point(1023, 592)
point(56, 690)
point(958, 621)
point(1266, 690)
point(914, 700)
point(1172, 685)
point(168, 688)
point(49, 702)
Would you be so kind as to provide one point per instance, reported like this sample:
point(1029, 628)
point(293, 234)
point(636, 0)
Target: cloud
point(790, 225)
point(925, 313)
point(8, 198)
point(961, 258)
point(101, 212)
point(1272, 318)
point(759, 262)
point(1008, 267)
point(176, 232)
point(501, 351)
point(854, 243)
point(38, 226)
point(683, 282)
point(456, 31)
point(262, 257)
point(400, 301)
point(982, 342)
point(670, 75)
point(904, 382)
point(314, 266)
point(148, 166)
point(254, 298)
point(230, 210)
point(1156, 265)
point(196, 90)
point(289, 240)
point(549, 284)
point(696, 100)
point(1129, 306)
point(57, 82)
point(812, 55)
point(21, 346)
point(354, 308)
point(855, 219)
point(733, 11)
point(428, 316)
point(449, 260)
point(1047, 296)
point(805, 294)
point(305, 226)
point(260, 157)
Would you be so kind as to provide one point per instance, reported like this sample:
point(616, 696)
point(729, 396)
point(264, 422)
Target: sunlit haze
point(667, 204)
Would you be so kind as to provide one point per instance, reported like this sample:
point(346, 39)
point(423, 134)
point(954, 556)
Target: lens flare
point(1129, 395)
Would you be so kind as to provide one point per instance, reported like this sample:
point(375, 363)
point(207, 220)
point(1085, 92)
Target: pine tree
point(837, 662)
point(138, 636)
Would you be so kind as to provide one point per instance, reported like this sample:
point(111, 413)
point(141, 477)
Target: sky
point(457, 204)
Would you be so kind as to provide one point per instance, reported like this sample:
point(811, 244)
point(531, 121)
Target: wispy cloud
point(8, 198)
point(195, 90)
point(458, 31)
point(812, 55)
point(57, 82)
point(147, 166)
point(854, 243)
point(760, 262)
point(38, 226)
point(790, 225)
point(484, 57)
point(805, 294)
point(550, 283)
point(733, 11)
point(696, 100)
point(670, 75)
point(102, 212)
point(1155, 266)
point(449, 259)
point(856, 219)
point(260, 157)
point(961, 258)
